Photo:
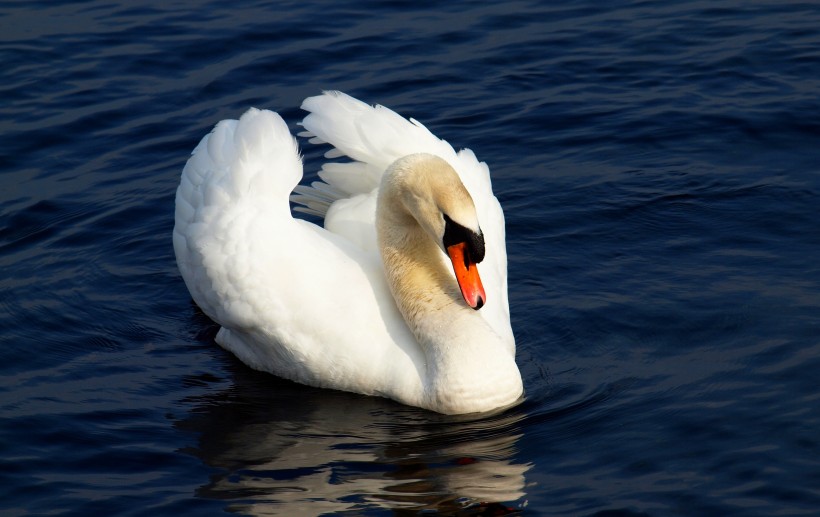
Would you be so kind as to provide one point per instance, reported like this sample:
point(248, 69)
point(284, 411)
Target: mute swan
point(382, 301)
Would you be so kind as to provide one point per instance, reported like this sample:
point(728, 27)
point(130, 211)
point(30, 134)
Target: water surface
point(658, 164)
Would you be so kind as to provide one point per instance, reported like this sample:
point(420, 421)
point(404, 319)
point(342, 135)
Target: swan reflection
point(282, 448)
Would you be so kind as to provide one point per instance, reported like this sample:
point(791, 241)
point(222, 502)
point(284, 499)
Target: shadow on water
point(282, 448)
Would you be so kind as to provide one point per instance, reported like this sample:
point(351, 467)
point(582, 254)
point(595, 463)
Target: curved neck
point(423, 288)
point(468, 366)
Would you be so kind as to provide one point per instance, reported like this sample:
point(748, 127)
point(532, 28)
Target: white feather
point(303, 302)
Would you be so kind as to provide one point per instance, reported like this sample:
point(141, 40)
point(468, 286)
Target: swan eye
point(455, 233)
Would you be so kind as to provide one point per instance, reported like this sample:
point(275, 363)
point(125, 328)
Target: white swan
point(314, 305)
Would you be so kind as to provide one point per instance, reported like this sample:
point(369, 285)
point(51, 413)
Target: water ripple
point(658, 167)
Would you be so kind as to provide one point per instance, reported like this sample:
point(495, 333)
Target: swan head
point(434, 199)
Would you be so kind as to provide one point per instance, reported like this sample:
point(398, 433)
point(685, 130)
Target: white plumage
point(312, 304)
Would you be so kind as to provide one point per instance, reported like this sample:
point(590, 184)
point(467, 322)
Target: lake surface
point(659, 164)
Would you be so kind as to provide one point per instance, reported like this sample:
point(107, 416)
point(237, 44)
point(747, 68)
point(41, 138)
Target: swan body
point(370, 303)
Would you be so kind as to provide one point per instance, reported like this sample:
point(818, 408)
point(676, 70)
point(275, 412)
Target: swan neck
point(468, 367)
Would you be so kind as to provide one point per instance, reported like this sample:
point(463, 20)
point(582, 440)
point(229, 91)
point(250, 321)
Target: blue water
point(659, 164)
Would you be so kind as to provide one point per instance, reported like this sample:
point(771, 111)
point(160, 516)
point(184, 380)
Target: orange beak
point(467, 275)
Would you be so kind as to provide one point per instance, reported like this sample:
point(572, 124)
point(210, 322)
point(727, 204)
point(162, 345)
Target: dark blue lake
point(659, 166)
